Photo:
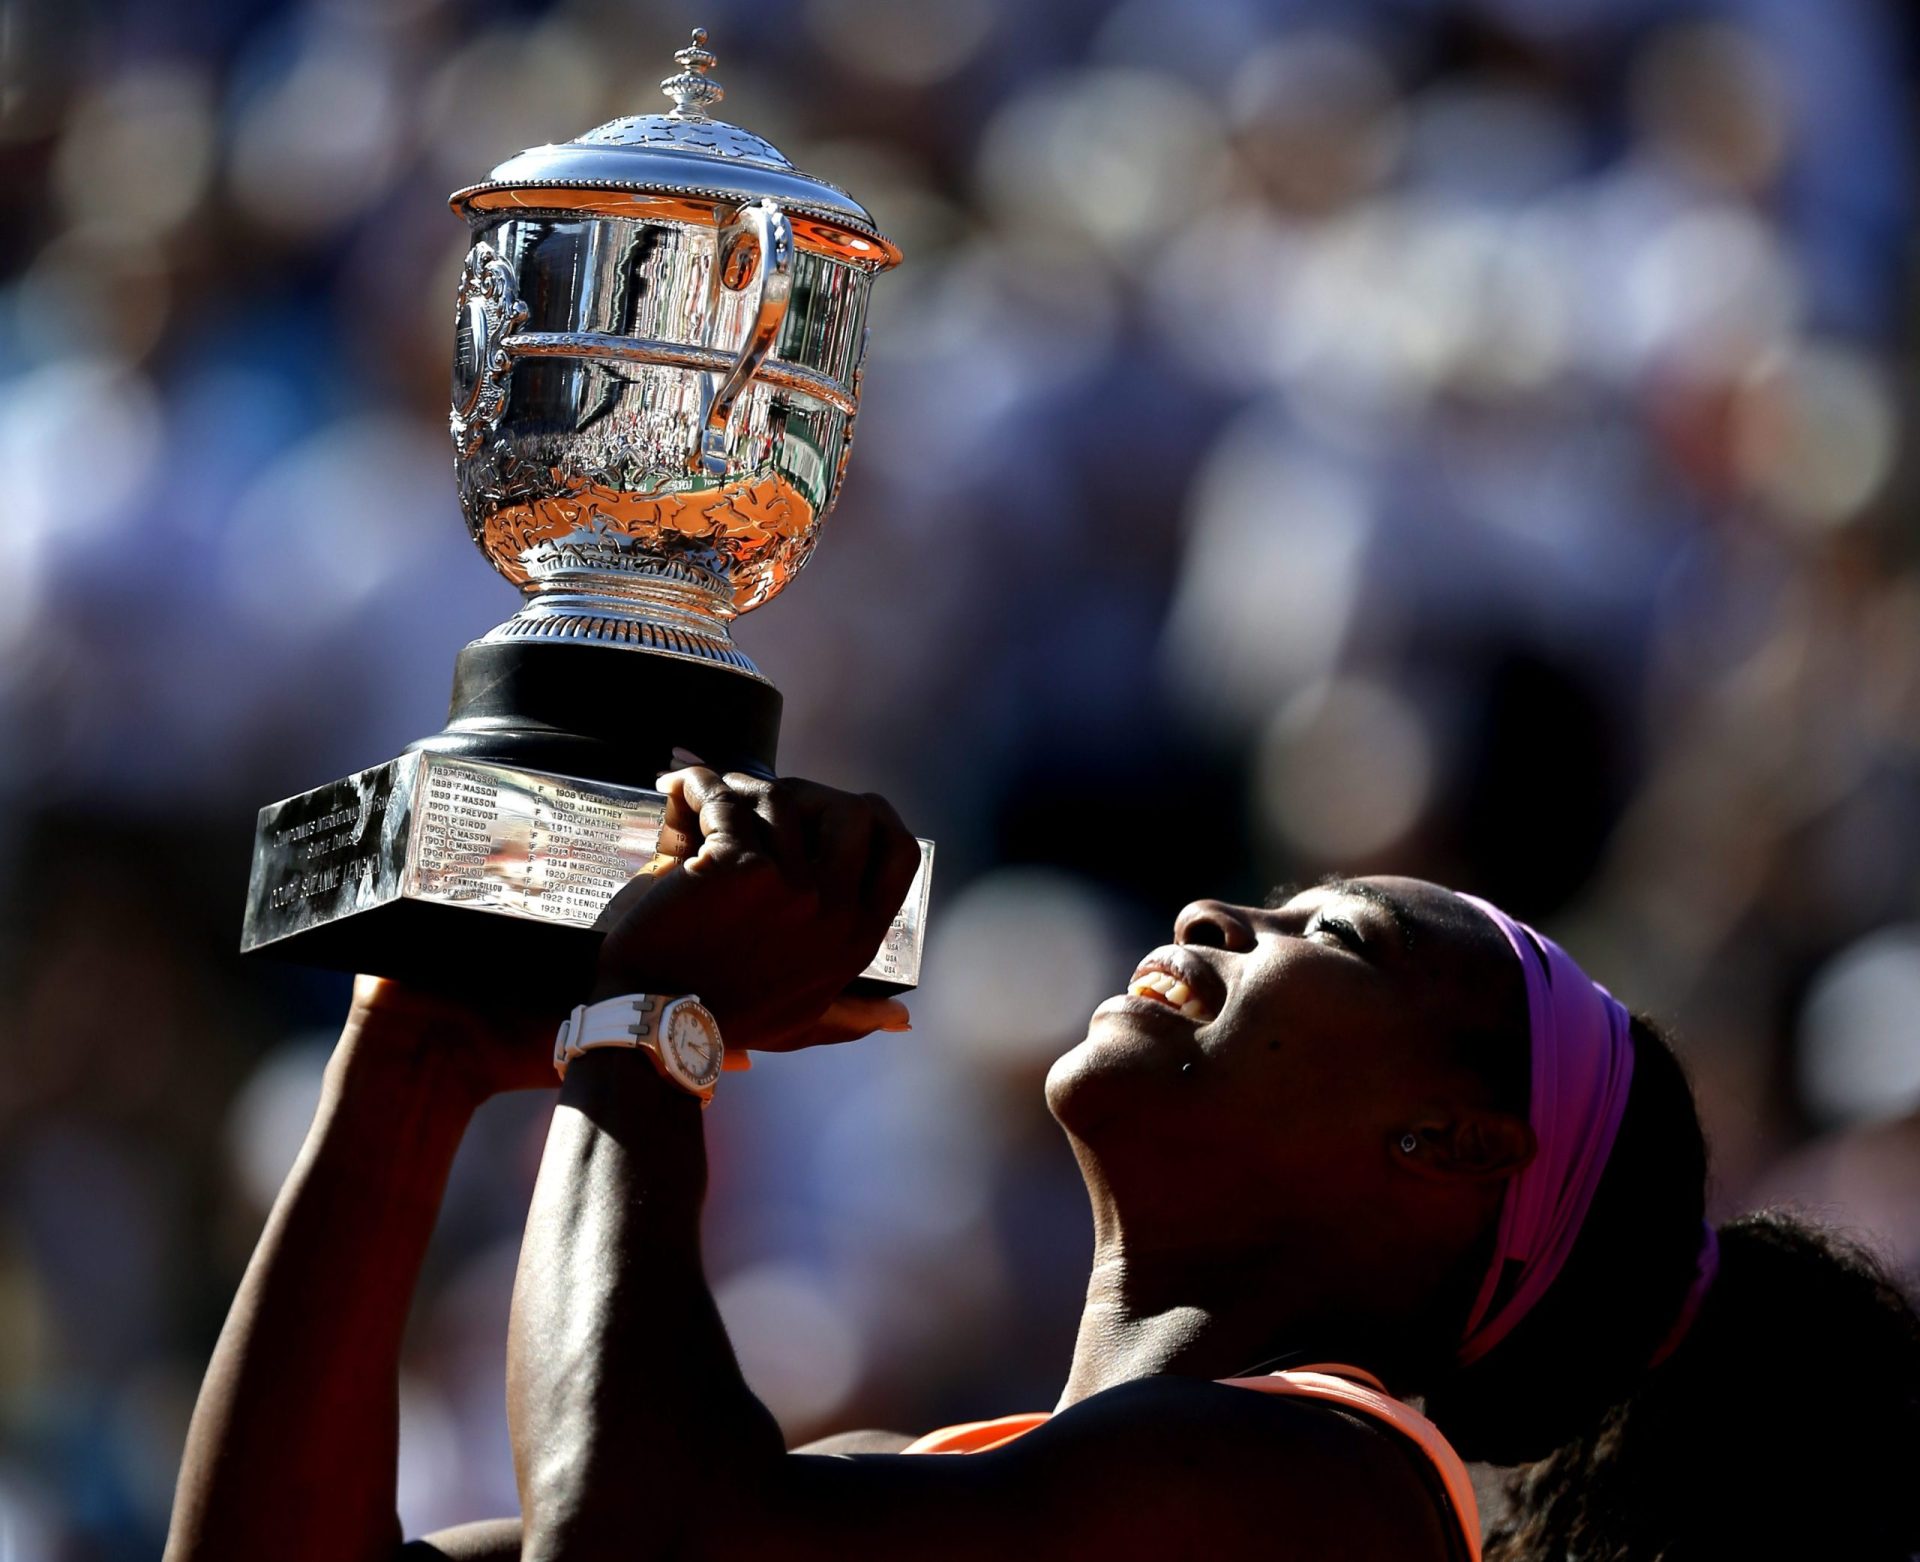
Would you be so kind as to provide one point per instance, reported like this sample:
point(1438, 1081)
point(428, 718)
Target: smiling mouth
point(1166, 988)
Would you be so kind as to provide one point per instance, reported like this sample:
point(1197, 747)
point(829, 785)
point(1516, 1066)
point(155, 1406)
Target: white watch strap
point(632, 1020)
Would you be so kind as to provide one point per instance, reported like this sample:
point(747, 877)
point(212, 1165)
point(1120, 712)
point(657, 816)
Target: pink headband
point(1582, 1067)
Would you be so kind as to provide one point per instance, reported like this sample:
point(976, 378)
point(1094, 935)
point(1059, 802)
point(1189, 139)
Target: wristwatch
point(680, 1033)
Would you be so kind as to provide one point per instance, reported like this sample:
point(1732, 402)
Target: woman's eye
point(1343, 932)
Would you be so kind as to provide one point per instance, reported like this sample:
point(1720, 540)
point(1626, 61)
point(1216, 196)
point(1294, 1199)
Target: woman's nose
point(1213, 924)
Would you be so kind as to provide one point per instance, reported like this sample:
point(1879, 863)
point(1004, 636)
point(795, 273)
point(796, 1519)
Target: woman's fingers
point(853, 848)
point(679, 826)
point(730, 833)
point(850, 855)
point(869, 1014)
point(842, 842)
point(848, 1019)
point(784, 806)
point(892, 862)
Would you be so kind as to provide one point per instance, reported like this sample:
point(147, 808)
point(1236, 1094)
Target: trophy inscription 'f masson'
point(658, 336)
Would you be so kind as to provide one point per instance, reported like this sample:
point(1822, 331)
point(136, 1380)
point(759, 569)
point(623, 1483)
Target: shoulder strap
point(1352, 1389)
point(976, 1437)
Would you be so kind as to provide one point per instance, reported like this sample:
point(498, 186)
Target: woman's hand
point(480, 1052)
point(784, 901)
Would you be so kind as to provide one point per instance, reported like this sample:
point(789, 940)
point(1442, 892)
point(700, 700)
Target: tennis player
point(1381, 1181)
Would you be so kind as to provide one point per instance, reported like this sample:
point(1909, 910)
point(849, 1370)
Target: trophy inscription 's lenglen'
point(658, 339)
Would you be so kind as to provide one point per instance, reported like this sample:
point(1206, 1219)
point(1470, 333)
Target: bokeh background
point(1468, 439)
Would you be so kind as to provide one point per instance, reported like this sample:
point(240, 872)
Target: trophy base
point(475, 876)
point(604, 713)
point(447, 949)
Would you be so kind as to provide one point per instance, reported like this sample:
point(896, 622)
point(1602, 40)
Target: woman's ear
point(1474, 1144)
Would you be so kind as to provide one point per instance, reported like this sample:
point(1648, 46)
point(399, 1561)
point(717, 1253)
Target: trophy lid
point(682, 165)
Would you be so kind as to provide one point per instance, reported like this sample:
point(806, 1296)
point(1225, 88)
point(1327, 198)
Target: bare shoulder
point(1262, 1474)
point(490, 1540)
point(1162, 1467)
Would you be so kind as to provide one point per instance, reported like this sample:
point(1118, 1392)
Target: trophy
point(658, 337)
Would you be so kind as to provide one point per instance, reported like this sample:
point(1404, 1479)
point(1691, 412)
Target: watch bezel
point(671, 1047)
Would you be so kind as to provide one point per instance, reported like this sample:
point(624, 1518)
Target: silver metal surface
point(658, 341)
point(677, 355)
point(483, 838)
point(656, 374)
point(683, 153)
point(757, 244)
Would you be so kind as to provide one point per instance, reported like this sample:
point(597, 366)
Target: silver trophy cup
point(658, 337)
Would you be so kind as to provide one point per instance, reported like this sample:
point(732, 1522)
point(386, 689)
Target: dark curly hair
point(1786, 1424)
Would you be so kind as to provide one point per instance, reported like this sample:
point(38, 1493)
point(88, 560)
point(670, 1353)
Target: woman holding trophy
point(1373, 1142)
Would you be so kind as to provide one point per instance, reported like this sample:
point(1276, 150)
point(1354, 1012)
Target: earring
point(1408, 1144)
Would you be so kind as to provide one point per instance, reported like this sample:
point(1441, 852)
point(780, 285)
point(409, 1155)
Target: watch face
point(691, 1044)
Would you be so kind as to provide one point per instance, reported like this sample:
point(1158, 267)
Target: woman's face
point(1256, 1079)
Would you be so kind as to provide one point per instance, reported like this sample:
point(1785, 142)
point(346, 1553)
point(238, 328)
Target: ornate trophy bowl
point(658, 336)
point(658, 342)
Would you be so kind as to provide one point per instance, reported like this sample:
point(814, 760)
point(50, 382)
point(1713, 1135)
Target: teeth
point(1171, 991)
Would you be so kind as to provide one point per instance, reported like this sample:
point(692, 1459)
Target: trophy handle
point(488, 312)
point(757, 244)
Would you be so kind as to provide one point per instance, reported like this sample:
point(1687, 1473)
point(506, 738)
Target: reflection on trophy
point(657, 350)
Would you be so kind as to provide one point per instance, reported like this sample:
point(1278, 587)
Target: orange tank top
point(1347, 1387)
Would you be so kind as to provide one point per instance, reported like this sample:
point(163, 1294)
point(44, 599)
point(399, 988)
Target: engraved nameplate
point(433, 830)
point(524, 844)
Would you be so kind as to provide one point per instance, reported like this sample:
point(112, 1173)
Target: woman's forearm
point(629, 1414)
point(292, 1448)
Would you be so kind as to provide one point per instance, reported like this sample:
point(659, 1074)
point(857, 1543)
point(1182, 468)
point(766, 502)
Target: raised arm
point(635, 1436)
point(292, 1448)
point(617, 1359)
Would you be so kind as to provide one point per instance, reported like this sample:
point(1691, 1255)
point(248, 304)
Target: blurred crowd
point(1464, 439)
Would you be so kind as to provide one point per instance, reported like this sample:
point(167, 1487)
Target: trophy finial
point(692, 91)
